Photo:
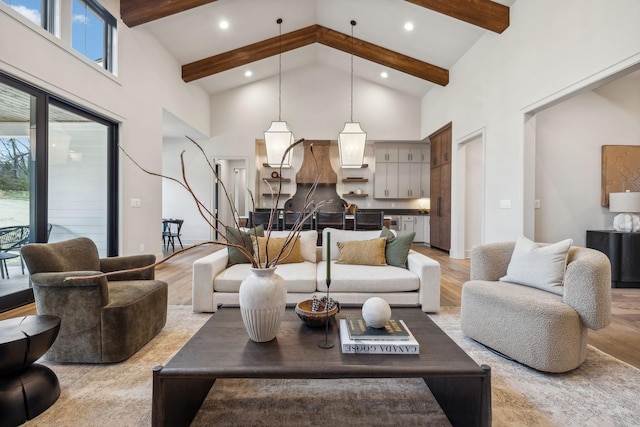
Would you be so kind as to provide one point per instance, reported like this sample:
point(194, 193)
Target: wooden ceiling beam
point(306, 36)
point(380, 55)
point(138, 12)
point(248, 54)
point(482, 13)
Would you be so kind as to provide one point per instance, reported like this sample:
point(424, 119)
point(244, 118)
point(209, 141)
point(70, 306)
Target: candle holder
point(326, 343)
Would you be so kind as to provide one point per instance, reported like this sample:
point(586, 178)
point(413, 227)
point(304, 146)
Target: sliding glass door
point(18, 129)
point(77, 178)
point(58, 180)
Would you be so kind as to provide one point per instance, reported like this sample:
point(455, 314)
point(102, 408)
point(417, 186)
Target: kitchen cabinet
point(411, 154)
point(407, 224)
point(386, 154)
point(418, 224)
point(422, 233)
point(386, 181)
point(410, 165)
point(409, 180)
point(440, 188)
point(425, 180)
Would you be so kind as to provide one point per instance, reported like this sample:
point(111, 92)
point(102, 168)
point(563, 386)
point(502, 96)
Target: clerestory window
point(92, 27)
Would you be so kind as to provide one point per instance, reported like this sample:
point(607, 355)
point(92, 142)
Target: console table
point(623, 251)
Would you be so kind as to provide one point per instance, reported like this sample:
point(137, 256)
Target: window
point(93, 28)
point(33, 10)
point(92, 32)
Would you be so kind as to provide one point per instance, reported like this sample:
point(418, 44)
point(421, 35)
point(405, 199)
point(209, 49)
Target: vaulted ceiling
point(318, 32)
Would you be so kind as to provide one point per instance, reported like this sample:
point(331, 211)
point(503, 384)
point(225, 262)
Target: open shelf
point(355, 195)
point(277, 179)
point(267, 165)
point(355, 180)
point(281, 194)
point(364, 166)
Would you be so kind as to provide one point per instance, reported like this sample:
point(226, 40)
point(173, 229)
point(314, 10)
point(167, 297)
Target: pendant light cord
point(353, 23)
point(279, 21)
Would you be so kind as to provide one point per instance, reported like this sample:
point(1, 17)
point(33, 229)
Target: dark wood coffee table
point(222, 349)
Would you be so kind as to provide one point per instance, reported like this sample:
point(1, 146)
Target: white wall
point(148, 80)
point(177, 202)
point(550, 49)
point(569, 141)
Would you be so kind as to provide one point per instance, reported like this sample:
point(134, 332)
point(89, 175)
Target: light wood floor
point(621, 338)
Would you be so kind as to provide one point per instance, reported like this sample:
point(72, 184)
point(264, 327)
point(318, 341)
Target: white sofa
point(419, 285)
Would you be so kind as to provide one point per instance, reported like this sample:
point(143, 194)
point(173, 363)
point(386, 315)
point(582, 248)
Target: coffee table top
point(222, 349)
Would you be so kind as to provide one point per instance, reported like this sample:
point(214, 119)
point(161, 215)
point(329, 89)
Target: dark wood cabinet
point(623, 251)
point(440, 188)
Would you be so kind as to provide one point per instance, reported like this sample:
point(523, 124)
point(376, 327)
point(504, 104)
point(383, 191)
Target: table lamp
point(629, 204)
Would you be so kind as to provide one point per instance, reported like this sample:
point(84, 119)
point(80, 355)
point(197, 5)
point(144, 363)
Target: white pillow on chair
point(538, 265)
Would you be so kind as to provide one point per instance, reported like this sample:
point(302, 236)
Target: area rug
point(602, 392)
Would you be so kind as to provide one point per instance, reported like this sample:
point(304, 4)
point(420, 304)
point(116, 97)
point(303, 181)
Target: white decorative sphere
point(376, 312)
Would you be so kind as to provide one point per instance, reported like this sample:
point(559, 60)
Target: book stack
point(394, 338)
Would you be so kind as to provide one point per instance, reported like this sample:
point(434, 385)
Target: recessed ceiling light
point(248, 73)
point(384, 75)
point(224, 24)
point(408, 26)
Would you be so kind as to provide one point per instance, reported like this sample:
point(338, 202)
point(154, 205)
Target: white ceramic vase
point(263, 299)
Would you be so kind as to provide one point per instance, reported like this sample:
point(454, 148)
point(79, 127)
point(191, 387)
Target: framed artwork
point(620, 170)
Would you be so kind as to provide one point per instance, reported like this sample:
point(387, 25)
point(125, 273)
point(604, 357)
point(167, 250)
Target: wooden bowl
point(315, 319)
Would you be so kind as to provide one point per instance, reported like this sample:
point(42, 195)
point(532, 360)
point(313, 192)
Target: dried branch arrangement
point(308, 210)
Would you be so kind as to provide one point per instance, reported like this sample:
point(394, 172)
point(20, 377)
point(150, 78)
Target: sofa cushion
point(299, 277)
point(366, 278)
point(362, 252)
point(397, 248)
point(538, 265)
point(308, 242)
point(243, 238)
point(274, 246)
point(338, 235)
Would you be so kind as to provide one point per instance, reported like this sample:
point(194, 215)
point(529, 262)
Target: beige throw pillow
point(362, 252)
point(275, 246)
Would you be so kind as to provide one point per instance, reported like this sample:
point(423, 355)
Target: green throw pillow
point(397, 248)
point(243, 238)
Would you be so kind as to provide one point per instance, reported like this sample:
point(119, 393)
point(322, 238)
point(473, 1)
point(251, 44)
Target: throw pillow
point(397, 247)
point(308, 243)
point(538, 265)
point(242, 238)
point(275, 246)
point(362, 252)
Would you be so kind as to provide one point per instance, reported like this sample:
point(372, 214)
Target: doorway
point(472, 154)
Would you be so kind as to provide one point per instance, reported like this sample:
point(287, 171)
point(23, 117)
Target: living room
point(540, 98)
point(499, 83)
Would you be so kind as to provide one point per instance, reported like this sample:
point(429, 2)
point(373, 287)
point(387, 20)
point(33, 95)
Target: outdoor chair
point(11, 240)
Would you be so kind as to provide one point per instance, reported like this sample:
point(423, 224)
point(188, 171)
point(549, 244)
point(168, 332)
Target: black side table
point(27, 389)
point(623, 251)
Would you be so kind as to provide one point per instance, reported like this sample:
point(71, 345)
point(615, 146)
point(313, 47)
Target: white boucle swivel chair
point(544, 330)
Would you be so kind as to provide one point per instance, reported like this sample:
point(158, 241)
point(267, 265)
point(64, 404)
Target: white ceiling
point(436, 38)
